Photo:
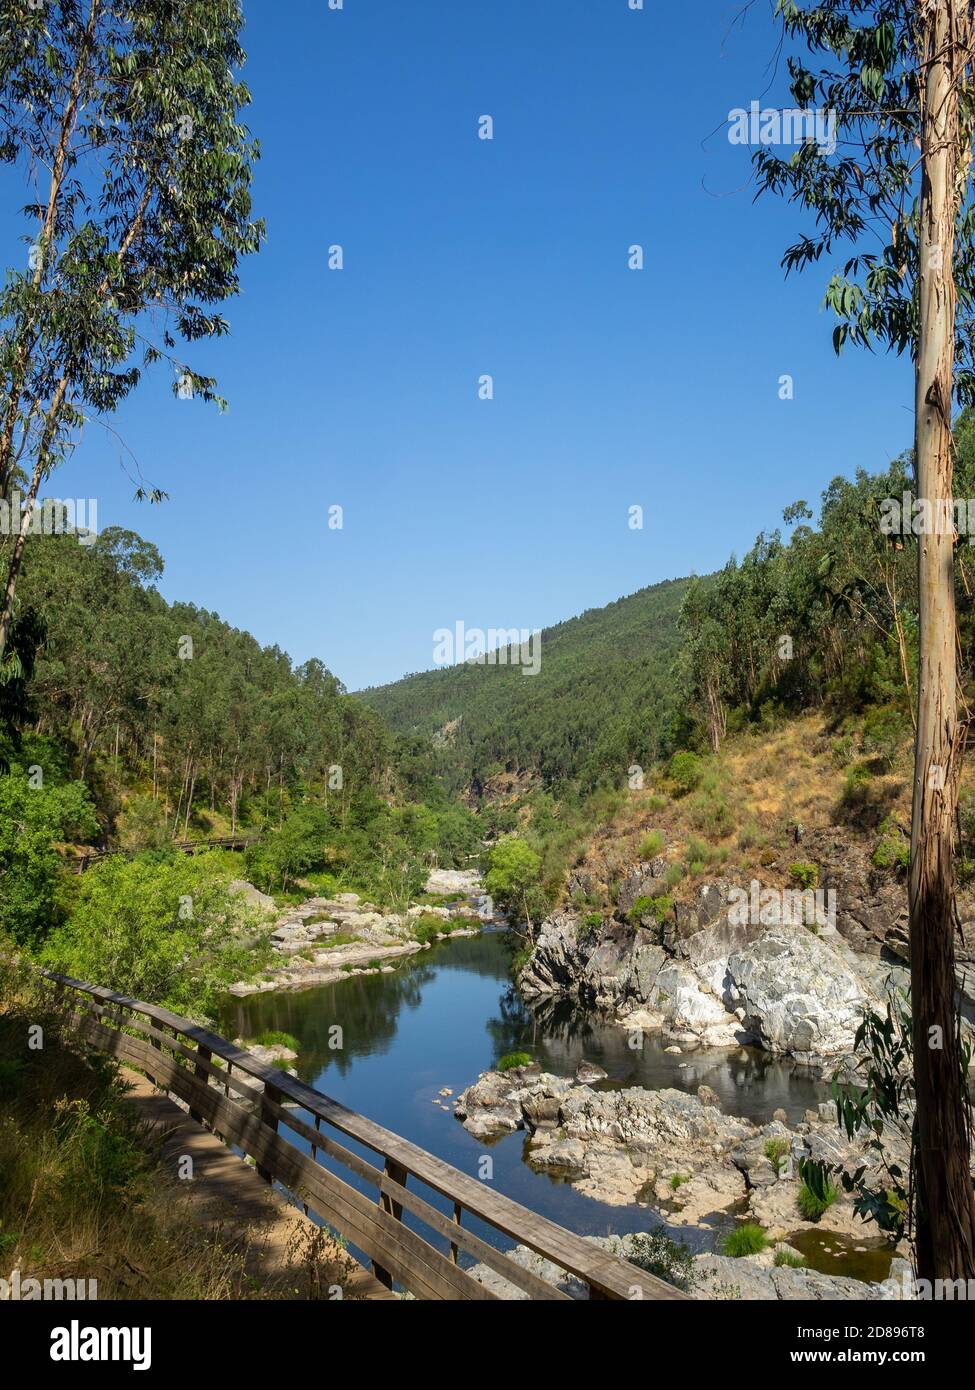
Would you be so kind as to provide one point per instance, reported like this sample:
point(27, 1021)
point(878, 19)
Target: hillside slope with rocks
point(764, 905)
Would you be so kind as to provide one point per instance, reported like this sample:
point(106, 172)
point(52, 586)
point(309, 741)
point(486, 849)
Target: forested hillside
point(602, 700)
point(829, 616)
point(129, 722)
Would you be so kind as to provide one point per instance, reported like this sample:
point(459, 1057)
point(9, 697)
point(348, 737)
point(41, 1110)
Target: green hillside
point(602, 700)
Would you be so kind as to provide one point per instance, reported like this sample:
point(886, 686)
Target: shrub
point(142, 825)
point(651, 845)
point(658, 908)
point(32, 818)
point(276, 1037)
point(512, 1060)
point(656, 803)
point(884, 729)
point(893, 849)
point(590, 927)
point(748, 1239)
point(168, 931)
point(670, 1260)
point(512, 879)
point(428, 927)
point(709, 811)
point(791, 1259)
point(856, 786)
point(817, 1191)
point(776, 1150)
point(749, 836)
point(805, 875)
point(674, 874)
point(686, 771)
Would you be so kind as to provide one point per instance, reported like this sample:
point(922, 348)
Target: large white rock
point(797, 993)
point(466, 883)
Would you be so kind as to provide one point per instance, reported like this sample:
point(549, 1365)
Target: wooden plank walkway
point(234, 1206)
point(246, 1103)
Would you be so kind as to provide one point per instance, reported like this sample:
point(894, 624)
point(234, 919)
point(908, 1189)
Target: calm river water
point(447, 1014)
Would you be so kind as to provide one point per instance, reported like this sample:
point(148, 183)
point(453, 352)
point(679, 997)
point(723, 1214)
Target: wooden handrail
point(375, 1226)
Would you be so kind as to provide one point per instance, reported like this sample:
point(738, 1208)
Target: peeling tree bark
point(945, 1204)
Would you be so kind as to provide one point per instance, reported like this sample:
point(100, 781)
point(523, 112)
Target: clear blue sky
point(464, 257)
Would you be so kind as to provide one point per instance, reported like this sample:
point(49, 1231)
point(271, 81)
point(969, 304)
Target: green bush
point(428, 928)
point(667, 1259)
point(651, 845)
point(644, 906)
point(34, 890)
point(512, 1060)
point(805, 875)
point(513, 876)
point(817, 1191)
point(748, 1239)
point(708, 811)
point(893, 850)
point(685, 771)
point(776, 1150)
point(167, 931)
point(790, 1259)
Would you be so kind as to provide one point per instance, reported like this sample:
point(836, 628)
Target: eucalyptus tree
point(123, 119)
point(890, 196)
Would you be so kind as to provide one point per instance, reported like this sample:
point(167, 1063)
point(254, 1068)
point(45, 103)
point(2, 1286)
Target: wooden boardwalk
point(231, 1204)
point(247, 1104)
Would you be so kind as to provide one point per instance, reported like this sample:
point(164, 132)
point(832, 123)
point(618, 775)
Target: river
point(447, 1014)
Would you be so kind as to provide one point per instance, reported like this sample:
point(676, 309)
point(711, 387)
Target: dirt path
point(281, 1248)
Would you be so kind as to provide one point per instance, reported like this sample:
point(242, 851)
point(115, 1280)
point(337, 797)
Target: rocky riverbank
point(675, 1151)
point(728, 965)
point(710, 1277)
point(326, 939)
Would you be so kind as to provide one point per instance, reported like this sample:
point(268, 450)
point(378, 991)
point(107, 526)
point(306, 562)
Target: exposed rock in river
point(325, 938)
point(678, 1151)
point(707, 981)
point(711, 1277)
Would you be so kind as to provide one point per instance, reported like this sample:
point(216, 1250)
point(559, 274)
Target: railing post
point(458, 1209)
point(201, 1072)
point(273, 1094)
point(158, 1046)
point(399, 1175)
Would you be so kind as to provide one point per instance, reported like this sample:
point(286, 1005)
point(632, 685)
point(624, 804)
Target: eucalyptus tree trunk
point(945, 1204)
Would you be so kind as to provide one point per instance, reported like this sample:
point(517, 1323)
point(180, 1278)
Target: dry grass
point(750, 797)
point(83, 1195)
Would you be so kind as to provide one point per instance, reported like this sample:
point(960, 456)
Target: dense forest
point(132, 723)
point(828, 617)
point(602, 700)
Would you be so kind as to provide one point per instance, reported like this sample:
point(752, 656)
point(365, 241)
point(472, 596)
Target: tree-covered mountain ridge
point(603, 699)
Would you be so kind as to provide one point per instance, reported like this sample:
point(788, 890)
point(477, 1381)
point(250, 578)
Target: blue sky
point(612, 387)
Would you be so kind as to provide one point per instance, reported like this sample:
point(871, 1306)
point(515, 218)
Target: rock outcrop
point(710, 1277)
point(325, 938)
point(678, 1150)
point(718, 984)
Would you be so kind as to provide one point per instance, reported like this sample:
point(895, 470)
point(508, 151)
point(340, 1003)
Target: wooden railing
point(182, 1059)
point(79, 863)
